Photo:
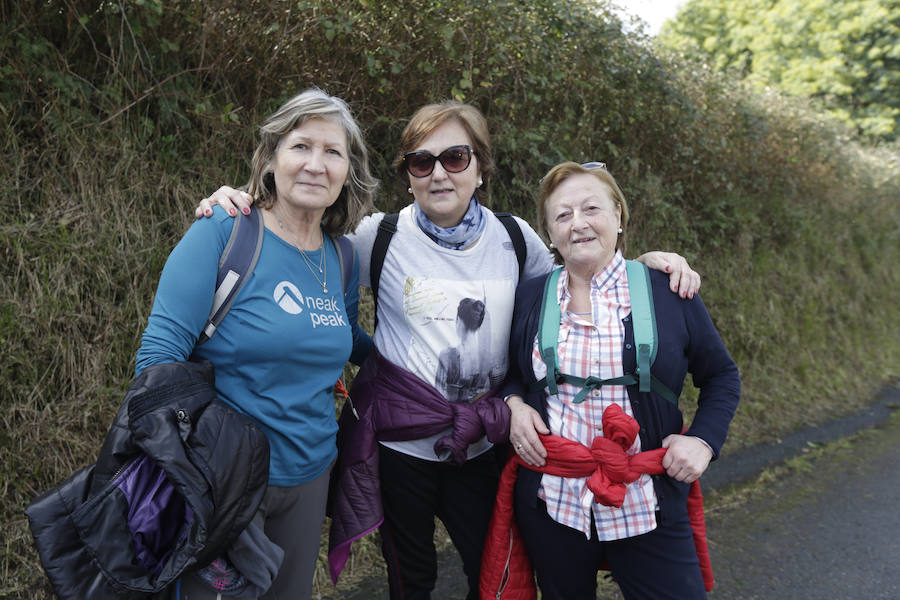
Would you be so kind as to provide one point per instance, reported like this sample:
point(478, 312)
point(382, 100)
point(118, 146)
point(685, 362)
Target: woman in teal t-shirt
point(291, 329)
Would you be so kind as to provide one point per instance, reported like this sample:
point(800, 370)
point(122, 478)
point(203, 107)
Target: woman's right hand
point(525, 424)
point(229, 198)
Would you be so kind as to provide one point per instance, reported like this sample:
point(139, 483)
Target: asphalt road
point(830, 532)
point(827, 529)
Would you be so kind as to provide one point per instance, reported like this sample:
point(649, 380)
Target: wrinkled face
point(311, 165)
point(583, 222)
point(443, 196)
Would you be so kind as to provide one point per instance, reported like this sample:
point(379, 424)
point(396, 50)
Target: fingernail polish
point(207, 212)
point(232, 212)
point(246, 211)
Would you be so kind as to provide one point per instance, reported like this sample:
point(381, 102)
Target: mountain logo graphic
point(288, 297)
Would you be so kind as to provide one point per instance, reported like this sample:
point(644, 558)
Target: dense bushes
point(118, 116)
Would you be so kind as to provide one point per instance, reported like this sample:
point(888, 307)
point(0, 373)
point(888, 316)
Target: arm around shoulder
point(539, 261)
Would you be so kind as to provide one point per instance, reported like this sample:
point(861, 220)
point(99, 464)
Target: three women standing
point(449, 251)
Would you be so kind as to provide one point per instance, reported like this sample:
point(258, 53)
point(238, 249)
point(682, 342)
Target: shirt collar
point(607, 277)
point(602, 281)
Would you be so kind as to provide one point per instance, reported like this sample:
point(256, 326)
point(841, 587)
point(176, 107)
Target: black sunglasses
point(454, 160)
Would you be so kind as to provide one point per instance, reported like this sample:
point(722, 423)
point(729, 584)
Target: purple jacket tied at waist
point(392, 404)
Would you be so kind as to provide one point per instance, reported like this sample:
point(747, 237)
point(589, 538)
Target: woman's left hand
point(683, 280)
point(687, 457)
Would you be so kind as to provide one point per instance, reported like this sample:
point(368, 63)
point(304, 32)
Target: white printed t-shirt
point(445, 314)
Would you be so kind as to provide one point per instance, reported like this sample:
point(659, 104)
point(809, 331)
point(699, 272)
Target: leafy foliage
point(846, 54)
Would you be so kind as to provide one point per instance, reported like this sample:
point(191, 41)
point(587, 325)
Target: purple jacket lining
point(156, 512)
point(395, 405)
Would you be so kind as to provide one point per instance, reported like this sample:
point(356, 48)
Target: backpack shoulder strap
point(235, 265)
point(646, 339)
point(643, 319)
point(346, 256)
point(548, 330)
point(518, 240)
point(386, 230)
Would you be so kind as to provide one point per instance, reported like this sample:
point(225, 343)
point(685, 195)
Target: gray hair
point(355, 200)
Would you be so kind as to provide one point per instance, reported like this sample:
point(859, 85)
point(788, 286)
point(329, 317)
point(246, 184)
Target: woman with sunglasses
point(447, 247)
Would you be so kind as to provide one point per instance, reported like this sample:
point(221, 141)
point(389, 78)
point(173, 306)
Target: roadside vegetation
point(117, 117)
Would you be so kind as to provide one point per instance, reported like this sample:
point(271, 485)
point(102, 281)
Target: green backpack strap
point(643, 319)
point(548, 330)
point(548, 336)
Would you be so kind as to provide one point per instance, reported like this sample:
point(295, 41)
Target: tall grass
point(117, 117)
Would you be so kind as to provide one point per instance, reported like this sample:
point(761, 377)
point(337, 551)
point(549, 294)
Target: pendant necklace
point(322, 267)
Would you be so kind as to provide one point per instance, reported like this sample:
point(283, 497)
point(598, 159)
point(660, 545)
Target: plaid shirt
point(584, 349)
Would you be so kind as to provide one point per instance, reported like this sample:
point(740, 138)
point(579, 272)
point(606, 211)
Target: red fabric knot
point(506, 569)
point(615, 468)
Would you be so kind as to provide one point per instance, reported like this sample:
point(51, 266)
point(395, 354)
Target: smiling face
point(442, 196)
point(583, 222)
point(311, 165)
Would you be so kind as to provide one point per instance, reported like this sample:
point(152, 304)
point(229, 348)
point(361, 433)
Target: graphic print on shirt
point(457, 335)
point(323, 312)
point(288, 297)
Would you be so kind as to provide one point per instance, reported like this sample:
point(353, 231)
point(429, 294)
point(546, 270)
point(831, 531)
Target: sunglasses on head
point(454, 160)
point(587, 165)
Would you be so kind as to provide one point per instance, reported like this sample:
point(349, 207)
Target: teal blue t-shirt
point(278, 352)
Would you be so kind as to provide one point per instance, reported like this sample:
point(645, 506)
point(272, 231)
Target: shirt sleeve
point(363, 238)
point(362, 342)
point(715, 373)
point(540, 260)
point(185, 293)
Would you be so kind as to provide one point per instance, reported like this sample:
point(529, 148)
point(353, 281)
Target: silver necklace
point(322, 267)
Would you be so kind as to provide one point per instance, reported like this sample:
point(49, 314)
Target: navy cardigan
point(687, 342)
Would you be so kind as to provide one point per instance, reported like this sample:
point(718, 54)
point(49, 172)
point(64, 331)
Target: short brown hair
point(430, 117)
point(563, 171)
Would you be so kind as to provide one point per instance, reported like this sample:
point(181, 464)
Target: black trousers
point(415, 491)
point(658, 565)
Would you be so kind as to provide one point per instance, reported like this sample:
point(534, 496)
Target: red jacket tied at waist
point(506, 570)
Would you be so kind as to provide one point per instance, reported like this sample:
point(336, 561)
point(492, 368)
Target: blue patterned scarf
point(459, 236)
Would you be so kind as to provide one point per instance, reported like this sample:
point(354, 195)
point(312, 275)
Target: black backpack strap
point(345, 253)
point(518, 240)
point(235, 265)
point(386, 230)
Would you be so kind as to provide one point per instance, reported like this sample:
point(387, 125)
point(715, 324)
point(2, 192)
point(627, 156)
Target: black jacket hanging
point(178, 478)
